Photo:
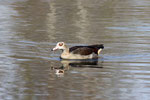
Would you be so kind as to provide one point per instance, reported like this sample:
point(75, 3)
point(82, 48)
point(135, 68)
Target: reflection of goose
point(59, 72)
point(79, 52)
point(66, 64)
point(80, 63)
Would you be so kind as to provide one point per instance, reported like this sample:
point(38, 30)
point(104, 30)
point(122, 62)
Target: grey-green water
point(30, 28)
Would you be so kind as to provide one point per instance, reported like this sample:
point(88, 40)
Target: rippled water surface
point(30, 28)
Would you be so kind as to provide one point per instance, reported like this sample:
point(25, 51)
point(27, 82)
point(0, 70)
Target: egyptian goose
point(79, 52)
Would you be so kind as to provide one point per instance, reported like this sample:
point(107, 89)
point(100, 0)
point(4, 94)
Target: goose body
point(79, 52)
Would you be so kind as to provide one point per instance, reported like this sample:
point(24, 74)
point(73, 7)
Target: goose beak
point(54, 49)
point(51, 49)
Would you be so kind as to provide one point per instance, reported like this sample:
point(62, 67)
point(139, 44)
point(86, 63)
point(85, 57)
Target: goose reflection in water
point(67, 64)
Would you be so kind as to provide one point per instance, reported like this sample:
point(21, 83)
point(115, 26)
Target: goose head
point(59, 45)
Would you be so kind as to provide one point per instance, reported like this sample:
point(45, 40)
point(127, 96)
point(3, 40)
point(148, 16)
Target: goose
point(79, 52)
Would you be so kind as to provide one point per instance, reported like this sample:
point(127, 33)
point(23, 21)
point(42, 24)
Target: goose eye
point(60, 44)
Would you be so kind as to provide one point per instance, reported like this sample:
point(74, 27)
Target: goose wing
point(83, 50)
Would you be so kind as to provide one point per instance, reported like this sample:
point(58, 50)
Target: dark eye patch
point(60, 44)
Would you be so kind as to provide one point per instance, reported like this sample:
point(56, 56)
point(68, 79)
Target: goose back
point(86, 50)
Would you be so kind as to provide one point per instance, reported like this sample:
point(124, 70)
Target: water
point(30, 28)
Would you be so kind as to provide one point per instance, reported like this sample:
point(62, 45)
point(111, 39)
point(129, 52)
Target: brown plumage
point(86, 50)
